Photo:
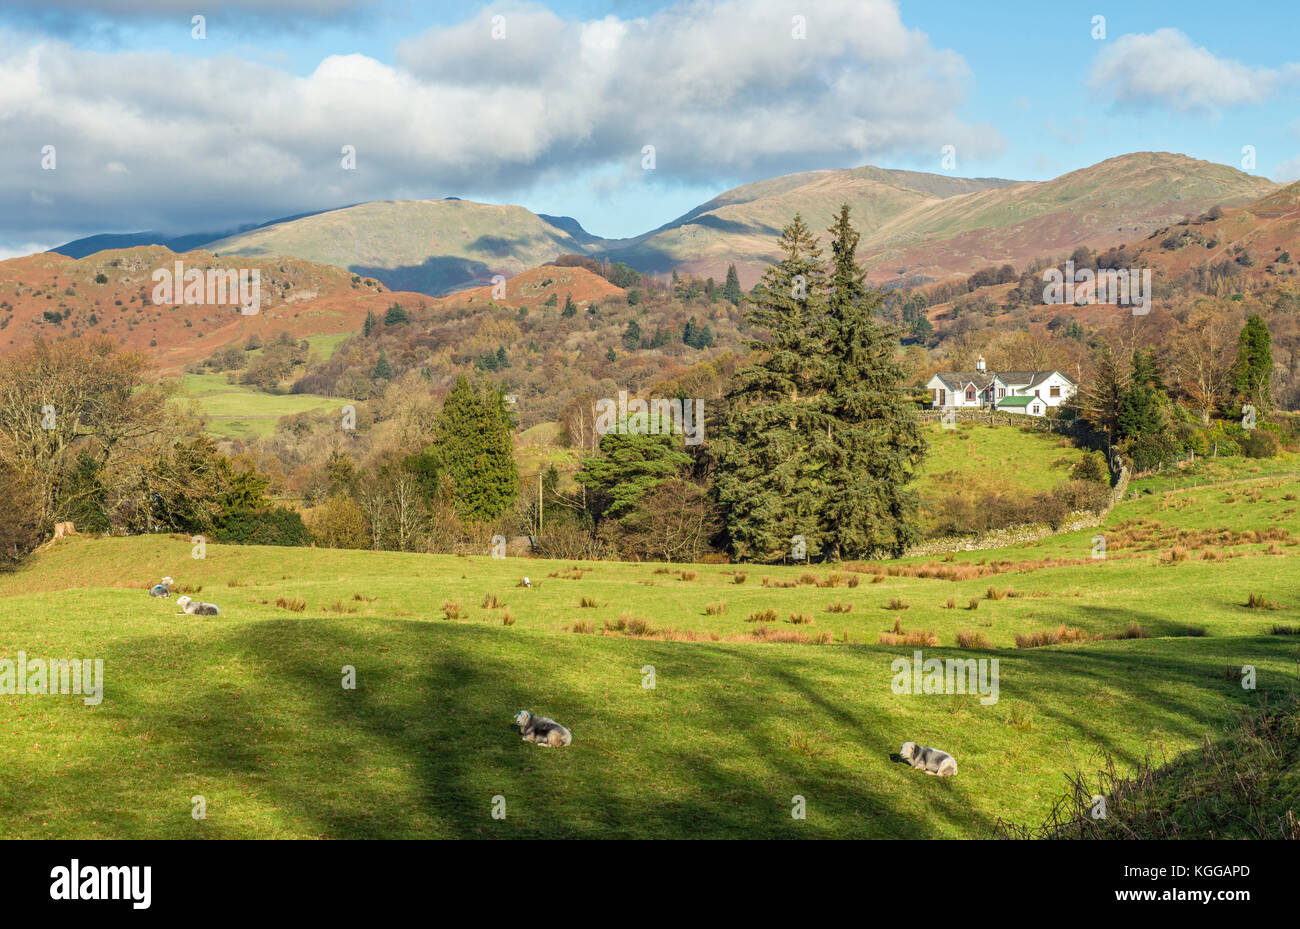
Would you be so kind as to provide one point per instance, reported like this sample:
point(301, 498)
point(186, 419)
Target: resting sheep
point(195, 608)
point(929, 760)
point(542, 731)
point(162, 590)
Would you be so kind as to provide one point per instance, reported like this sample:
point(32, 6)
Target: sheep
point(542, 731)
point(525, 583)
point(195, 608)
point(929, 760)
point(162, 590)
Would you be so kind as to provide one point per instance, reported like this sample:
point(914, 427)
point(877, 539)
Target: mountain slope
point(929, 226)
point(111, 293)
point(429, 246)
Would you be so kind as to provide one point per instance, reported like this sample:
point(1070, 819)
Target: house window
point(1037, 409)
point(970, 394)
point(1055, 392)
point(943, 397)
point(1002, 392)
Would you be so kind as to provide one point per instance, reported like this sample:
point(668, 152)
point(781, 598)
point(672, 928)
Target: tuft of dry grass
point(897, 604)
point(968, 639)
point(507, 618)
point(839, 608)
point(1259, 602)
point(915, 637)
point(1133, 631)
point(588, 603)
point(338, 606)
point(1055, 636)
point(293, 604)
point(715, 609)
point(800, 619)
point(451, 609)
point(492, 602)
point(994, 594)
point(235, 583)
point(762, 616)
point(974, 604)
point(740, 578)
point(688, 575)
point(583, 627)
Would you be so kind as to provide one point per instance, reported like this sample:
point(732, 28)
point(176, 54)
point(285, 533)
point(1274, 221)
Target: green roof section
point(1016, 401)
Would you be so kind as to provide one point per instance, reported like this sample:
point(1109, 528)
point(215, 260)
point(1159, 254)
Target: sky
point(131, 115)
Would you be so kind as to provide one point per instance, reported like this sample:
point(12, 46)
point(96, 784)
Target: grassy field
point(248, 711)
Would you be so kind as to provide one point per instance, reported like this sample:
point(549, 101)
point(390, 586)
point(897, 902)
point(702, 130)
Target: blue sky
point(156, 129)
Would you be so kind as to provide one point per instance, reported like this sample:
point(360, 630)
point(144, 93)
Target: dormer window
point(970, 394)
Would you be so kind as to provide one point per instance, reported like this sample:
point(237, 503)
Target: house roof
point(1020, 400)
point(958, 380)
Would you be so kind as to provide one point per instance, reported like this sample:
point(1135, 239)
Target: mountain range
point(916, 227)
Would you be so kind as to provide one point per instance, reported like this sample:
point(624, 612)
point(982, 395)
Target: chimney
point(979, 364)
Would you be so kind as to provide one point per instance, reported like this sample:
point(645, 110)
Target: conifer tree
point(767, 480)
point(874, 444)
point(731, 289)
point(473, 444)
point(1253, 372)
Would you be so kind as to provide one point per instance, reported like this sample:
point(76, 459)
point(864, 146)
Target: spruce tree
point(1252, 373)
point(731, 289)
point(874, 443)
point(473, 444)
point(767, 480)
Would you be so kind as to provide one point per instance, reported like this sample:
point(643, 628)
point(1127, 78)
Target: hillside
point(111, 292)
point(428, 246)
point(915, 228)
point(424, 742)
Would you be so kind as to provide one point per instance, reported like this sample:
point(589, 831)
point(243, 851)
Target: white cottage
point(1027, 392)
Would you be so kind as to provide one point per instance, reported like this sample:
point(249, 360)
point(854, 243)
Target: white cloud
point(720, 88)
point(1167, 68)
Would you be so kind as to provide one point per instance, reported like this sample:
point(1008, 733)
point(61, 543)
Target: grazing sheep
point(195, 608)
point(542, 731)
point(162, 590)
point(525, 583)
point(929, 760)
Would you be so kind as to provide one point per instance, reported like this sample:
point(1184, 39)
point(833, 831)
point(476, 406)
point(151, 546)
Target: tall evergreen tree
point(874, 443)
point(766, 480)
point(1140, 405)
point(731, 289)
point(473, 444)
point(1252, 374)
